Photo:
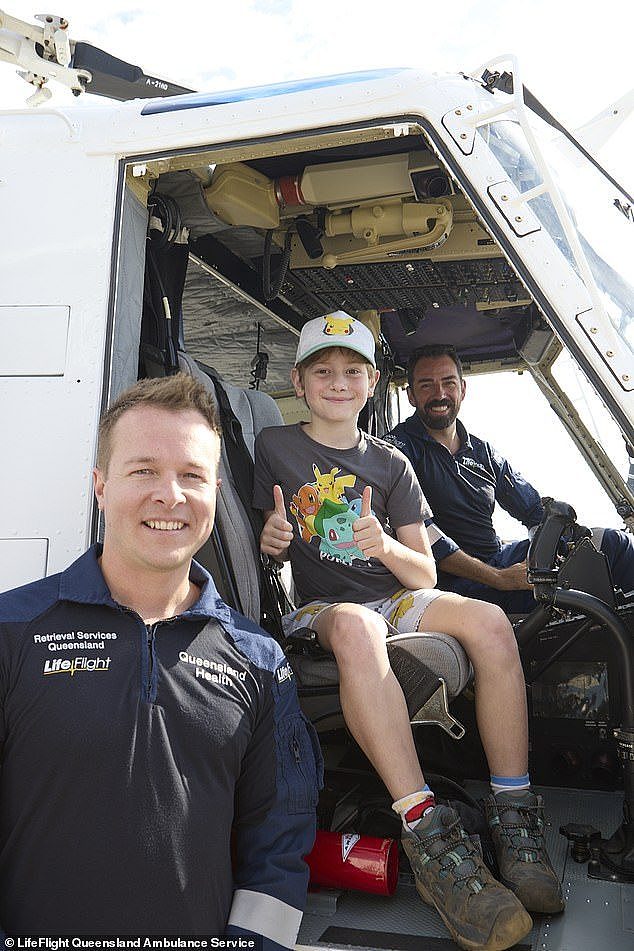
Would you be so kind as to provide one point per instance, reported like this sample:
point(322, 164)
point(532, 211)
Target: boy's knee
point(493, 628)
point(354, 633)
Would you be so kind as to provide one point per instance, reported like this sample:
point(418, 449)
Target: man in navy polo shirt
point(157, 776)
point(463, 477)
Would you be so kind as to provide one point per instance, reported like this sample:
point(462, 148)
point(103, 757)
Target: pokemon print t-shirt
point(322, 490)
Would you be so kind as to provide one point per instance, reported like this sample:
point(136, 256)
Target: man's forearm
point(465, 566)
point(511, 578)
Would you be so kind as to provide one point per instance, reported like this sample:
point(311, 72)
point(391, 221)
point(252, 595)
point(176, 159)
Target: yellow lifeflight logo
point(76, 665)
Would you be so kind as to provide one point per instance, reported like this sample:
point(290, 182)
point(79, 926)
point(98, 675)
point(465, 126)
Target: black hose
point(271, 289)
point(167, 211)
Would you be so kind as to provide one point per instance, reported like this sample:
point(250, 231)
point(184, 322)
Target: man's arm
point(274, 823)
point(515, 494)
point(462, 565)
point(450, 558)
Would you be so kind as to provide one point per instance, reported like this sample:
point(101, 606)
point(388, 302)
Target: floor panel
point(599, 915)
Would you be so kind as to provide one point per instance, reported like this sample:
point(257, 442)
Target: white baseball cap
point(335, 330)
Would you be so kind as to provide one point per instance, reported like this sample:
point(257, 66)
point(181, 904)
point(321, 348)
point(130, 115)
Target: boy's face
point(337, 386)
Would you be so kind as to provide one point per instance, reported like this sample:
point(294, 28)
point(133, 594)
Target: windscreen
point(600, 212)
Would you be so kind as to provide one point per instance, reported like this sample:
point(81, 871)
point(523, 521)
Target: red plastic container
point(343, 860)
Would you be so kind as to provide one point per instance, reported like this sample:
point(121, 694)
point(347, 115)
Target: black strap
point(273, 597)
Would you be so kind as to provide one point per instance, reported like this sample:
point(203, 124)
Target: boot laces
point(457, 856)
point(524, 834)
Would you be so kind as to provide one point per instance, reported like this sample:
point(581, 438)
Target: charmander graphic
point(323, 512)
point(304, 507)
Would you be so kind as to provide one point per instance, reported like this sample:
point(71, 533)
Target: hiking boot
point(481, 914)
point(517, 824)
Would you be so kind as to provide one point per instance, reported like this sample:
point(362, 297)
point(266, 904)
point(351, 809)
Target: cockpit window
point(600, 212)
point(592, 411)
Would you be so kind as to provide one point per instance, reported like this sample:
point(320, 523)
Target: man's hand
point(277, 533)
point(512, 578)
point(368, 533)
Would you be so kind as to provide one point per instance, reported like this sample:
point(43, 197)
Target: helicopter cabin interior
point(228, 251)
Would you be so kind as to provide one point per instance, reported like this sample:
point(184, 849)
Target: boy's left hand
point(368, 532)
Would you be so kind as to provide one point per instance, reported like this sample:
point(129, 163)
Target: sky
point(574, 55)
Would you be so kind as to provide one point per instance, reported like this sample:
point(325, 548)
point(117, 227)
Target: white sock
point(510, 784)
point(414, 808)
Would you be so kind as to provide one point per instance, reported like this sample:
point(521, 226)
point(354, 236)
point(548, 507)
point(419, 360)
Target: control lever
point(558, 519)
point(612, 858)
point(583, 838)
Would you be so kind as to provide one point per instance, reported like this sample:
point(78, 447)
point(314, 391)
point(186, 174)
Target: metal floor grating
point(599, 915)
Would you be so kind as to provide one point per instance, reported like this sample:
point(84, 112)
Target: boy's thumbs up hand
point(368, 532)
point(277, 533)
point(278, 499)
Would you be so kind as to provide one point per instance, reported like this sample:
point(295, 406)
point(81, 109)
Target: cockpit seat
point(431, 668)
point(232, 553)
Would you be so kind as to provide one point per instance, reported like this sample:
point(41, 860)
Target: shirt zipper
point(151, 630)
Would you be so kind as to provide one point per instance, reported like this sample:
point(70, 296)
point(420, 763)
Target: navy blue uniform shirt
point(462, 489)
point(129, 753)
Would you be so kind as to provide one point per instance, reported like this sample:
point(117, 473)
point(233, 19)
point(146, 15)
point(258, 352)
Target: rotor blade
point(117, 79)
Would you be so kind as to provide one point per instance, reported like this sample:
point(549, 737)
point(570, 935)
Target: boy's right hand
point(277, 533)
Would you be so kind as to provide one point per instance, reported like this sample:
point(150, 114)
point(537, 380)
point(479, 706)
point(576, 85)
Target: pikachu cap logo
point(337, 329)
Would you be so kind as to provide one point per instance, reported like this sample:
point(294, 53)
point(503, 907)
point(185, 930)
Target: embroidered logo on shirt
point(216, 672)
point(75, 640)
point(477, 469)
point(284, 673)
point(472, 464)
point(76, 665)
point(394, 440)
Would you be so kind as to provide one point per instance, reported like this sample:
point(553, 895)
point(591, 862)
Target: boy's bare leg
point(486, 635)
point(371, 697)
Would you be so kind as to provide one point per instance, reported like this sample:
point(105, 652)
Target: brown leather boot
point(517, 824)
point(481, 914)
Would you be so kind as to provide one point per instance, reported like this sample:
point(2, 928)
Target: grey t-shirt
point(322, 490)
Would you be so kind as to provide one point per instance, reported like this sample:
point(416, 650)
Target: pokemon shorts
point(403, 610)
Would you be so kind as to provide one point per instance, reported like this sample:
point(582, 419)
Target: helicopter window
point(600, 212)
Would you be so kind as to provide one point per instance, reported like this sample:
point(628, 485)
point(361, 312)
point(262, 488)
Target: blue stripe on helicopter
point(196, 100)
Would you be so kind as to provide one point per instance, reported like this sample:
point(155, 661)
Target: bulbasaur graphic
point(334, 524)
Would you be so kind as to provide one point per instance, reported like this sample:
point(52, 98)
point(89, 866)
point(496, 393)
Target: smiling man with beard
point(463, 477)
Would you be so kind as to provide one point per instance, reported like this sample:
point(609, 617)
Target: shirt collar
point(84, 583)
point(463, 436)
